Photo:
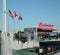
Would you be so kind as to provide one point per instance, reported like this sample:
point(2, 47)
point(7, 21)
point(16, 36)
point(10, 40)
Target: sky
point(32, 12)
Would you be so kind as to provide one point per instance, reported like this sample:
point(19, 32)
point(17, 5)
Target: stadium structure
point(42, 40)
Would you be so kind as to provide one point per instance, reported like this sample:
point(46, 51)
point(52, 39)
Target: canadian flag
point(18, 16)
point(15, 14)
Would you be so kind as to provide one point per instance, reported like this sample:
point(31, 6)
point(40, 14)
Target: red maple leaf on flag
point(15, 14)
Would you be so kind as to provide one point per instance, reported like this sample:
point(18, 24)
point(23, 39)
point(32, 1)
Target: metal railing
point(53, 53)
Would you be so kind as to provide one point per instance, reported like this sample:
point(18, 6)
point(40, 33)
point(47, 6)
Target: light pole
point(4, 15)
point(5, 40)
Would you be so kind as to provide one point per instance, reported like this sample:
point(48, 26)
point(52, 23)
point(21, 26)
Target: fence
point(22, 52)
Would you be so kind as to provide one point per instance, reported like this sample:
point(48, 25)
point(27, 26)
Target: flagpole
point(19, 25)
point(8, 26)
point(19, 32)
point(13, 26)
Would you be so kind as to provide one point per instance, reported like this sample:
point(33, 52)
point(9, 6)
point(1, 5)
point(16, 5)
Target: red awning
point(50, 29)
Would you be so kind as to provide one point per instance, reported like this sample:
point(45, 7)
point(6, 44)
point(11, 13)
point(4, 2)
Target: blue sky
point(32, 11)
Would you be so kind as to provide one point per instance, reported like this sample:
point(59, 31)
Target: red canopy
point(49, 29)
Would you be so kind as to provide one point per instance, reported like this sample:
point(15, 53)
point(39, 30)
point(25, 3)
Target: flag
point(18, 16)
point(10, 14)
point(15, 14)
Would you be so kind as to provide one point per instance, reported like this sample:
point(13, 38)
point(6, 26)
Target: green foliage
point(20, 36)
point(0, 31)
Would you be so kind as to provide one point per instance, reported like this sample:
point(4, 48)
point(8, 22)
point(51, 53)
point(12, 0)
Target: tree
point(57, 35)
point(20, 37)
point(0, 34)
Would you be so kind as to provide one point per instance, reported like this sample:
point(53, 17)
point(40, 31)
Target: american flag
point(10, 14)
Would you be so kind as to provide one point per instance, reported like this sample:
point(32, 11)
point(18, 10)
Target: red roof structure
point(43, 27)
